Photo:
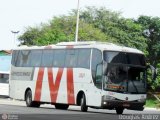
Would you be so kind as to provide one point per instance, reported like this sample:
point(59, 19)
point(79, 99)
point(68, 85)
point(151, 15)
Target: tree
point(151, 28)
point(97, 24)
point(59, 29)
point(28, 36)
point(116, 28)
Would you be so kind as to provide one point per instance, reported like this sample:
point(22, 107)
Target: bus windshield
point(124, 58)
point(125, 72)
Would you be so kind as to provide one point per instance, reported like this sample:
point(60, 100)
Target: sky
point(17, 15)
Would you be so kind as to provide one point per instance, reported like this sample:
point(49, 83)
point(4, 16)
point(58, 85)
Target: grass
point(152, 103)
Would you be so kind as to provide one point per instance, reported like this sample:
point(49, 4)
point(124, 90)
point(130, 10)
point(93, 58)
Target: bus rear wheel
point(84, 108)
point(119, 110)
point(28, 99)
point(61, 106)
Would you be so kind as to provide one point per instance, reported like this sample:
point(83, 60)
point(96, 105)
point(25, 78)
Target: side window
point(59, 58)
point(71, 58)
point(18, 61)
point(14, 57)
point(28, 58)
point(84, 58)
point(47, 58)
point(99, 76)
point(23, 58)
point(35, 58)
point(4, 78)
point(96, 59)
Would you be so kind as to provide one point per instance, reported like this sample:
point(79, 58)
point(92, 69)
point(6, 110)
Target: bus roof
point(85, 44)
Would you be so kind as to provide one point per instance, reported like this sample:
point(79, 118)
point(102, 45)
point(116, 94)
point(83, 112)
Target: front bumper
point(112, 104)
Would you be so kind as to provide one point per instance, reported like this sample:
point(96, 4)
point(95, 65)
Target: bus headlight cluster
point(142, 100)
point(107, 97)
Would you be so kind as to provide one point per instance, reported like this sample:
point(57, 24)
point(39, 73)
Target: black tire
point(119, 110)
point(61, 106)
point(36, 104)
point(28, 99)
point(84, 108)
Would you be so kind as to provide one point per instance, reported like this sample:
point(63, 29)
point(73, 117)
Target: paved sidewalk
point(8, 101)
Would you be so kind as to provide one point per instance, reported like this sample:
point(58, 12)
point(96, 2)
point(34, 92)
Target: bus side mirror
point(153, 71)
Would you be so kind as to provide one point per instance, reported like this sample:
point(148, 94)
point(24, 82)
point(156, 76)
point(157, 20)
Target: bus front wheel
point(119, 110)
point(84, 108)
point(28, 99)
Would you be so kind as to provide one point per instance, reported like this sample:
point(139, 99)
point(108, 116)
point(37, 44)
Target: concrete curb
point(147, 108)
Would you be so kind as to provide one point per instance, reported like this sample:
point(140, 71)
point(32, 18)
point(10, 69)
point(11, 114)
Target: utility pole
point(14, 35)
point(77, 23)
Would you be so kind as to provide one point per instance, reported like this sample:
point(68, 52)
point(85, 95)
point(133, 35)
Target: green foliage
point(95, 24)
point(60, 29)
point(151, 27)
point(157, 81)
point(151, 103)
point(117, 29)
point(30, 34)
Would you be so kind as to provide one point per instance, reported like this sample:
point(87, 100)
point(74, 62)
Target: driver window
point(98, 81)
point(96, 59)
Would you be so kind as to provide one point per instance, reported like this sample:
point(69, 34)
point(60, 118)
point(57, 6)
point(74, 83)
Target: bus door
point(95, 87)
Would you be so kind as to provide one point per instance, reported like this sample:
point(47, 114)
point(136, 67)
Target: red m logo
point(54, 86)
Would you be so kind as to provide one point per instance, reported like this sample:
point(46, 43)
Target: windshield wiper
point(135, 86)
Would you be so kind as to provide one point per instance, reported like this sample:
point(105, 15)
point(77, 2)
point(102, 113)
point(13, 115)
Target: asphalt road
point(12, 109)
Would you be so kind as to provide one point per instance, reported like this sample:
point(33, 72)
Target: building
point(5, 63)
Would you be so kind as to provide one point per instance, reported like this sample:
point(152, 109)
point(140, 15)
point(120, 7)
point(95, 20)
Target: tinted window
point(125, 58)
point(71, 58)
point(136, 59)
point(14, 57)
point(28, 58)
point(23, 58)
point(47, 58)
point(120, 58)
point(59, 58)
point(4, 78)
point(84, 58)
point(35, 59)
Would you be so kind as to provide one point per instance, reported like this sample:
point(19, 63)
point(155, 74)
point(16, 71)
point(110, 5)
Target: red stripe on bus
point(38, 89)
point(48, 47)
point(70, 86)
point(54, 87)
point(69, 46)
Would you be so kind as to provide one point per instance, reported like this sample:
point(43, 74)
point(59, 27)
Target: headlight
point(142, 100)
point(106, 97)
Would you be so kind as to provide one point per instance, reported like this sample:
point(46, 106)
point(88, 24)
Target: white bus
point(5, 64)
point(87, 74)
point(4, 83)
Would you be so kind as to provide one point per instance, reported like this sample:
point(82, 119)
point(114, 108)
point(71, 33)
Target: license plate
point(126, 105)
